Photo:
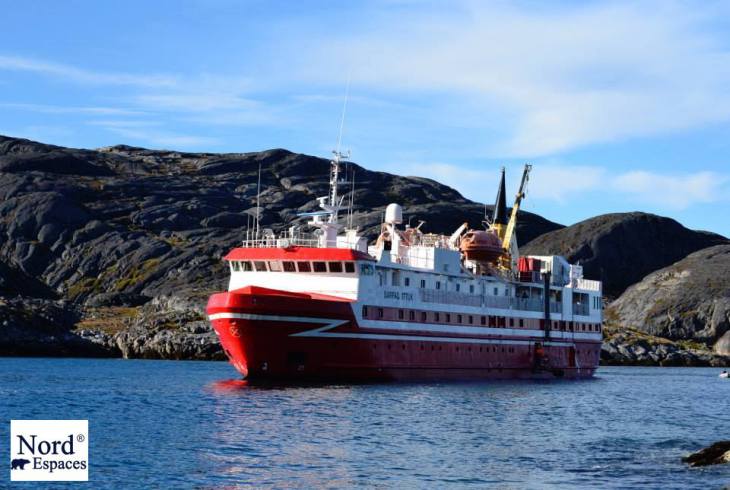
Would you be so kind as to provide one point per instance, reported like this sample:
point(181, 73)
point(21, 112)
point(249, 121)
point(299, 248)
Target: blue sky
point(620, 106)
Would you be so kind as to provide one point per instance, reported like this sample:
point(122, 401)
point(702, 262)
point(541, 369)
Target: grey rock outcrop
point(689, 300)
point(626, 350)
point(717, 453)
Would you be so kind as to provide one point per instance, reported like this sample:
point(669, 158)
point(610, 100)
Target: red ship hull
point(276, 335)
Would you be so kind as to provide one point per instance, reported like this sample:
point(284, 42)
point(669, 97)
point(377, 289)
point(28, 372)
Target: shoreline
point(184, 345)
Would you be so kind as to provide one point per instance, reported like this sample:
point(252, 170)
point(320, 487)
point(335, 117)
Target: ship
point(319, 302)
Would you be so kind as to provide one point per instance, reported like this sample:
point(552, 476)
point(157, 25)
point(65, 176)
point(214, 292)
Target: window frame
point(288, 266)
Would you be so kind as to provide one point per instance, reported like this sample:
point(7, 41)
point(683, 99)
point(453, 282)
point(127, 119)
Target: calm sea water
point(165, 424)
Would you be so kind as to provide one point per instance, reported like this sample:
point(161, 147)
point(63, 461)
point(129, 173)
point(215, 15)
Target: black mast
point(499, 216)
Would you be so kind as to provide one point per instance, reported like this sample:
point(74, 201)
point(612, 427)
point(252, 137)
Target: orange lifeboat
point(481, 246)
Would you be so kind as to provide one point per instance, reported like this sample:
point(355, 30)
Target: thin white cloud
point(55, 109)
point(564, 184)
point(551, 182)
point(163, 139)
point(568, 76)
point(561, 182)
point(674, 192)
point(202, 94)
point(80, 75)
point(123, 123)
point(193, 102)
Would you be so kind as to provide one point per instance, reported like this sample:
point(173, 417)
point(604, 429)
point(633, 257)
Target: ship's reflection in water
point(281, 435)
point(228, 385)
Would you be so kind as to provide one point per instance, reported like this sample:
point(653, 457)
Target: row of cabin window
point(494, 321)
point(436, 316)
point(292, 266)
point(437, 285)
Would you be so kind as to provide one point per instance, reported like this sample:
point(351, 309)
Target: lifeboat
point(481, 246)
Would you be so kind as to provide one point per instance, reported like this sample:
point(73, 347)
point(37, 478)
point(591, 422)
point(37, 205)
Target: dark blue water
point(165, 424)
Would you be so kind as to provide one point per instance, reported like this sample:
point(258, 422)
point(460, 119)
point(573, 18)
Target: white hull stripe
point(330, 324)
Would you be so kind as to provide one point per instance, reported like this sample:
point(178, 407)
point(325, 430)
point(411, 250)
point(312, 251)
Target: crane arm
point(510, 231)
point(455, 236)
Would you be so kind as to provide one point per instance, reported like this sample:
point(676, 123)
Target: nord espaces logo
point(49, 450)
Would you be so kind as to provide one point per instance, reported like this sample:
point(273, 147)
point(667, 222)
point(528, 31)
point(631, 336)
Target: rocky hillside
point(622, 248)
point(117, 248)
point(687, 301)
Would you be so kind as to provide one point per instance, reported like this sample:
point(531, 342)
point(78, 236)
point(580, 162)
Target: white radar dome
point(394, 214)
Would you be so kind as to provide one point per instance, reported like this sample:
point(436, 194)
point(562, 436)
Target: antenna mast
point(335, 201)
point(258, 199)
point(352, 201)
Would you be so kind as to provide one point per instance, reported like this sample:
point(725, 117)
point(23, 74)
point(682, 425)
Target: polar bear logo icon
point(19, 463)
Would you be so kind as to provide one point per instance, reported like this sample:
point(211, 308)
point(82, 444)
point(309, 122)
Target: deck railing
point(280, 242)
point(449, 297)
point(587, 284)
point(501, 302)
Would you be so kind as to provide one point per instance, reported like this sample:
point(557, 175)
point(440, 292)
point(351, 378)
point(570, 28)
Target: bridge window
point(235, 266)
point(319, 267)
point(274, 266)
point(350, 267)
point(246, 266)
point(288, 266)
point(304, 267)
point(260, 266)
point(335, 266)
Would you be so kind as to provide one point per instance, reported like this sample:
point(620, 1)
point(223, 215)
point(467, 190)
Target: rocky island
point(113, 252)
